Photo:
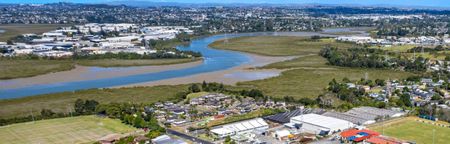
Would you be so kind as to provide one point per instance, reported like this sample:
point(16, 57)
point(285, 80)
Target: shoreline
point(81, 73)
point(245, 72)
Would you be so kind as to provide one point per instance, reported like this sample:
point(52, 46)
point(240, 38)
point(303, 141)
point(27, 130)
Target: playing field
point(82, 129)
point(411, 129)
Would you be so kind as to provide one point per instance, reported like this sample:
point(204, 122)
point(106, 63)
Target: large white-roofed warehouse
point(319, 124)
point(247, 126)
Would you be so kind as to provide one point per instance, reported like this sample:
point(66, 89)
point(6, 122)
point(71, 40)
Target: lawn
point(277, 45)
point(13, 30)
point(412, 130)
point(61, 102)
point(82, 129)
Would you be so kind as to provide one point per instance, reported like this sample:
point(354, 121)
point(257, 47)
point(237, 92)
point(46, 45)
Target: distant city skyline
point(423, 3)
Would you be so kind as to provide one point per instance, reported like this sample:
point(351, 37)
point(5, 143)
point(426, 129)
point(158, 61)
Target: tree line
point(372, 58)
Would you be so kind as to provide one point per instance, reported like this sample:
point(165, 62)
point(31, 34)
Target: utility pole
point(382, 125)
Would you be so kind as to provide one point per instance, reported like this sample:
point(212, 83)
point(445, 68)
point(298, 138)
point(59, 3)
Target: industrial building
point(351, 118)
point(286, 116)
point(364, 115)
point(319, 124)
point(242, 127)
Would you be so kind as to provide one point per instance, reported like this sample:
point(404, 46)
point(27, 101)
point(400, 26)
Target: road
point(185, 136)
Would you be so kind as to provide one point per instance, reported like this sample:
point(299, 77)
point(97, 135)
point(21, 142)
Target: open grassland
point(307, 61)
point(62, 102)
point(81, 129)
point(308, 74)
point(414, 129)
point(310, 82)
point(125, 63)
point(10, 69)
point(277, 45)
point(13, 30)
point(397, 48)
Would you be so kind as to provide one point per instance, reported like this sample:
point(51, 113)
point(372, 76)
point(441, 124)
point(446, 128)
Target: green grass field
point(412, 130)
point(277, 45)
point(13, 30)
point(61, 102)
point(82, 129)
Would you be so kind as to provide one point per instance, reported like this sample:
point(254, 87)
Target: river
point(214, 60)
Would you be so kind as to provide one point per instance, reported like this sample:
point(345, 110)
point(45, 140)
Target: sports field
point(415, 130)
point(82, 129)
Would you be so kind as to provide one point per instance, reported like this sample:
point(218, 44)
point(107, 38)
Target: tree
point(46, 113)
point(405, 98)
point(379, 82)
point(79, 106)
point(9, 42)
point(205, 86)
point(138, 122)
point(89, 106)
point(194, 88)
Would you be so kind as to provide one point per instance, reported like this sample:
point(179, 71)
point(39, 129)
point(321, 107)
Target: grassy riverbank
point(305, 76)
point(11, 69)
point(276, 45)
point(61, 102)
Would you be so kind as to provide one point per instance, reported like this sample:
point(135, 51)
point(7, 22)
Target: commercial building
point(286, 116)
point(354, 135)
point(364, 115)
point(319, 124)
point(351, 118)
point(165, 139)
point(242, 127)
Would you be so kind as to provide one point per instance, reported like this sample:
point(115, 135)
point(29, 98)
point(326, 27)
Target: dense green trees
point(371, 58)
point(85, 107)
point(194, 88)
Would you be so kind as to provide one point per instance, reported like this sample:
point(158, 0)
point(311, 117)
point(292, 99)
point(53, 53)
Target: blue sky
point(427, 3)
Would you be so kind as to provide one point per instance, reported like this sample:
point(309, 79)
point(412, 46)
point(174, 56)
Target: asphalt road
point(185, 136)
